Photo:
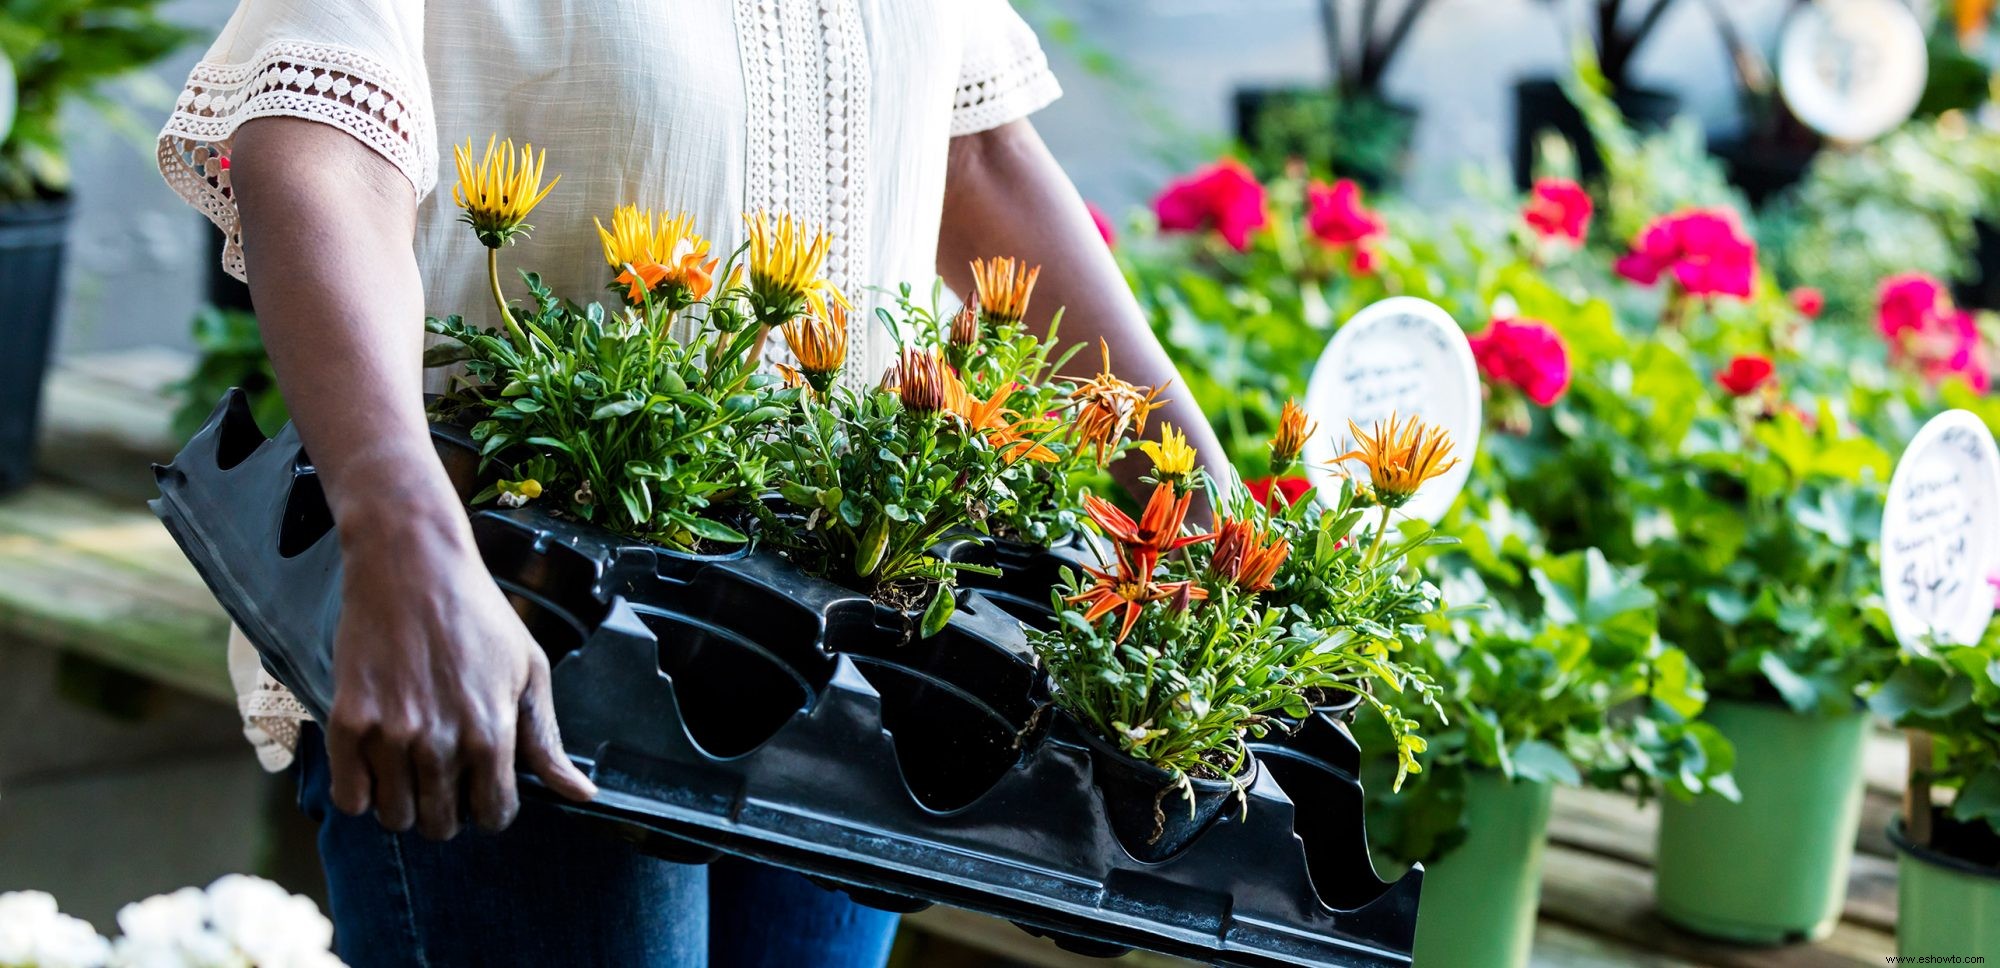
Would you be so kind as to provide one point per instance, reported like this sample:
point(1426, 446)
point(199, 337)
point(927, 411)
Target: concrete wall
point(140, 255)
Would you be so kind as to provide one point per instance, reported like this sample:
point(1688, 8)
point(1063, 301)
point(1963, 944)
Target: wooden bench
point(85, 567)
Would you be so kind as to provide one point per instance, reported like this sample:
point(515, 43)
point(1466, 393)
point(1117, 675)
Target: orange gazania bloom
point(965, 325)
point(1293, 430)
point(927, 385)
point(1131, 592)
point(1401, 456)
point(1246, 555)
point(1107, 408)
point(1004, 287)
point(673, 256)
point(991, 417)
point(819, 342)
point(1158, 530)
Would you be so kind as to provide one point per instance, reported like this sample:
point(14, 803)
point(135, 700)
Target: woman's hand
point(1005, 195)
point(439, 687)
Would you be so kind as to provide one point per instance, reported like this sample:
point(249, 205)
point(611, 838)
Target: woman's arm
point(1006, 195)
point(439, 686)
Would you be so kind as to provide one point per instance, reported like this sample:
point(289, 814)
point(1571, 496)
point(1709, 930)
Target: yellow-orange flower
point(1004, 287)
point(965, 326)
point(819, 342)
point(1400, 457)
point(1130, 591)
point(1156, 534)
point(1008, 435)
point(498, 193)
point(1293, 431)
point(1173, 460)
point(1108, 408)
point(926, 384)
point(785, 265)
point(673, 260)
point(1246, 555)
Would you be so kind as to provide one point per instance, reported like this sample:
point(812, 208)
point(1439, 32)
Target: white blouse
point(837, 111)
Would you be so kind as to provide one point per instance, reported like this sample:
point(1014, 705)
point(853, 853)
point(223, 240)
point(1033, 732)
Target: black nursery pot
point(1982, 292)
point(1149, 813)
point(32, 239)
point(1762, 168)
point(1028, 573)
point(1540, 105)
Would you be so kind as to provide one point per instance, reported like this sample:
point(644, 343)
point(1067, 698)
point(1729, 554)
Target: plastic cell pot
point(1947, 891)
point(32, 238)
point(1773, 868)
point(1153, 817)
point(1479, 900)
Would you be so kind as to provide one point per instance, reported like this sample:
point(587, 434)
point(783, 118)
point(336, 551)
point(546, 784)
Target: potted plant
point(61, 52)
point(1948, 838)
point(1170, 659)
point(1615, 35)
point(1349, 127)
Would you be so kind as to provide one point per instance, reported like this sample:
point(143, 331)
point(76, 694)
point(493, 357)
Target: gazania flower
point(1401, 456)
point(1107, 408)
point(965, 326)
point(1156, 534)
point(1130, 591)
point(1007, 435)
point(793, 378)
point(926, 385)
point(1293, 430)
point(1004, 287)
point(499, 192)
point(785, 266)
point(819, 342)
point(1173, 459)
point(673, 261)
point(1246, 555)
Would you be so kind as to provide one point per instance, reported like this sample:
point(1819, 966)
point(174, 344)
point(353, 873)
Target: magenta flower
point(1340, 219)
point(1915, 315)
point(1558, 208)
point(1705, 251)
point(1746, 374)
point(1224, 198)
point(1103, 223)
point(1810, 302)
point(1524, 354)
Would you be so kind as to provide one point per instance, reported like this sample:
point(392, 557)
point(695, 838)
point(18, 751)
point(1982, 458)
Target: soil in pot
point(1151, 815)
point(1947, 891)
point(1773, 868)
point(1479, 901)
point(1541, 106)
point(32, 239)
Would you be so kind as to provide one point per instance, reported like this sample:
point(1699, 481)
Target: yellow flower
point(673, 261)
point(1107, 408)
point(501, 190)
point(1401, 456)
point(819, 342)
point(785, 267)
point(1004, 287)
point(1173, 459)
point(1293, 430)
point(514, 494)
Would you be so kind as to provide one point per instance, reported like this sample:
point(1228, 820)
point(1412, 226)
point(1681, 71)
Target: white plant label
point(1852, 69)
point(1401, 356)
point(1941, 533)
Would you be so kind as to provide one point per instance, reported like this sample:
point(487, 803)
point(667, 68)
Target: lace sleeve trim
point(1006, 89)
point(334, 85)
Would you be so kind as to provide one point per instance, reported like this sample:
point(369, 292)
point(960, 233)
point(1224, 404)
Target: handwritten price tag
point(1941, 533)
point(1401, 356)
point(1852, 69)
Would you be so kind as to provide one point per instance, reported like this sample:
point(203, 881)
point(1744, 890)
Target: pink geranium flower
point(1224, 198)
point(1340, 219)
point(1914, 313)
point(1558, 208)
point(1746, 374)
point(1810, 302)
point(1524, 354)
point(1706, 252)
point(1103, 223)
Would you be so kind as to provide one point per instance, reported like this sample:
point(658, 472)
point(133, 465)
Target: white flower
point(165, 919)
point(273, 929)
point(33, 932)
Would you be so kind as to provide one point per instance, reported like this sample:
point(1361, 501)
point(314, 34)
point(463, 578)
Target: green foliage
point(1953, 692)
point(1350, 135)
point(230, 354)
point(65, 50)
point(620, 423)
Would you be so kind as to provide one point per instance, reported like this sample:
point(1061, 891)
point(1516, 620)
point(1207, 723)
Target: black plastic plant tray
point(731, 704)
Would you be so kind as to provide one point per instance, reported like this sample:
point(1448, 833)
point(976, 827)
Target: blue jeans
point(548, 891)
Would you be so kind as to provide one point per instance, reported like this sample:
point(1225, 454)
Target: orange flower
point(1131, 592)
point(1107, 408)
point(819, 342)
point(1246, 555)
point(1004, 287)
point(1293, 430)
point(674, 256)
point(1010, 436)
point(965, 325)
point(1400, 457)
point(927, 385)
point(1156, 533)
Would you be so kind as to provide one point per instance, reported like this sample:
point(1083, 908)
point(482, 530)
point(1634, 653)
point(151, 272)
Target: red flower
point(1293, 489)
point(1339, 218)
point(1524, 354)
point(1705, 250)
point(1914, 313)
point(1558, 209)
point(1224, 197)
point(1745, 374)
point(1808, 301)
point(1103, 223)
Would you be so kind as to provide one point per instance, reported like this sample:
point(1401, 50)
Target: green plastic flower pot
point(1478, 907)
point(1946, 904)
point(1773, 868)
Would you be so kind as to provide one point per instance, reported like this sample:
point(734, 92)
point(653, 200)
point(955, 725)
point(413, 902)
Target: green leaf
point(1543, 763)
point(715, 530)
point(616, 408)
point(940, 611)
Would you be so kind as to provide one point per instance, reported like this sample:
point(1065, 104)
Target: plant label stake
point(1852, 70)
point(1402, 356)
point(1941, 533)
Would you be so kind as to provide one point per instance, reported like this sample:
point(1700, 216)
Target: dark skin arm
point(1005, 195)
point(439, 689)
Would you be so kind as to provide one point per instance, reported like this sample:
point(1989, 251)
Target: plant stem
point(500, 299)
point(1375, 546)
